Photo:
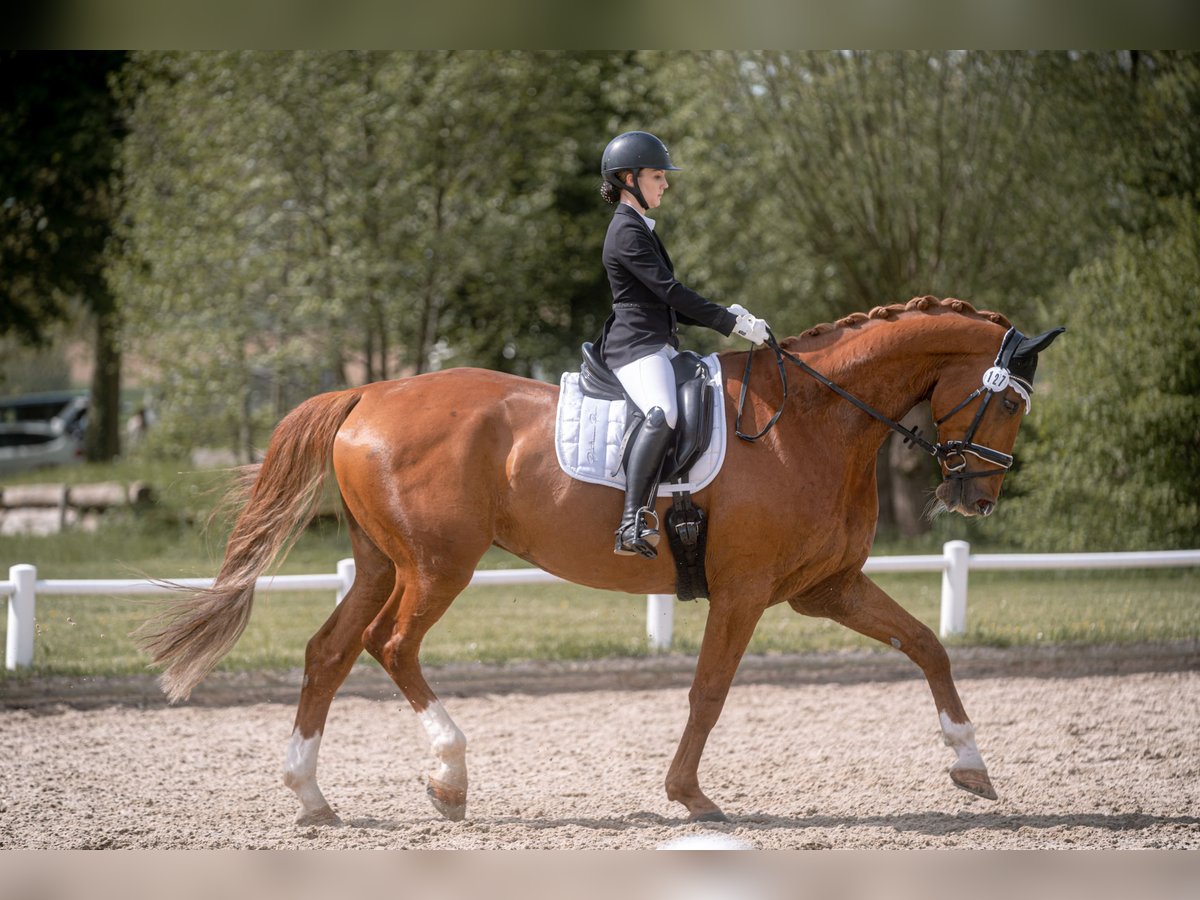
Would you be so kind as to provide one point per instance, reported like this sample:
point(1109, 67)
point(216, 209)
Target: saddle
point(693, 429)
point(686, 523)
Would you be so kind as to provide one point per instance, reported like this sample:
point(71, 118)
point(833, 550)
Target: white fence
point(956, 560)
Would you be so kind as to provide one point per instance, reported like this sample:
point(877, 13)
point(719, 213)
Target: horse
point(435, 468)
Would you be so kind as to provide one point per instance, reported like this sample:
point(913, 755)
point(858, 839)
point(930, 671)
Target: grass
point(90, 635)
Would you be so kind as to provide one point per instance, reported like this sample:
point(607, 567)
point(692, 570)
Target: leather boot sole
point(648, 540)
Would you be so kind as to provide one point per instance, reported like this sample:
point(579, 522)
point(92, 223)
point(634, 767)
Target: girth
point(693, 429)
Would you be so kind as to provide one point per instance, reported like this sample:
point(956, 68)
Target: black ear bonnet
point(1019, 354)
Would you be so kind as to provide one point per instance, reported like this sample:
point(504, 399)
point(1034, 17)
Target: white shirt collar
point(645, 218)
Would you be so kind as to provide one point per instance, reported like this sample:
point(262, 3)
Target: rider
point(639, 342)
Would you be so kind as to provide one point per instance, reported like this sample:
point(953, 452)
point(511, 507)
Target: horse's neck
point(894, 365)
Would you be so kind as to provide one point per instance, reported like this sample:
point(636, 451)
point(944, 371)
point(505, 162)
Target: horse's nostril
point(985, 507)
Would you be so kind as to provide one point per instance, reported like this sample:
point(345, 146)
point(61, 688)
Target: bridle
point(951, 454)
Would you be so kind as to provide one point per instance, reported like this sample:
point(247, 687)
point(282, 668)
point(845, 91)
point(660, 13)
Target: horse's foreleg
point(865, 608)
point(395, 640)
point(327, 661)
point(726, 634)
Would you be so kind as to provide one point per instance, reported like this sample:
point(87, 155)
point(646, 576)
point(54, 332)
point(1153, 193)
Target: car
point(38, 430)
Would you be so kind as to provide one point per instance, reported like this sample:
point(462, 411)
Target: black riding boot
point(642, 470)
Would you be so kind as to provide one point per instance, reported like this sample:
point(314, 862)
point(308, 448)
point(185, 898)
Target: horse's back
point(445, 403)
point(462, 423)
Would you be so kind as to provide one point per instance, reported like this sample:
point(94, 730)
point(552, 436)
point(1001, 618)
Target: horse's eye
point(1010, 406)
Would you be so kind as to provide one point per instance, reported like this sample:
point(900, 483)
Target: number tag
point(996, 379)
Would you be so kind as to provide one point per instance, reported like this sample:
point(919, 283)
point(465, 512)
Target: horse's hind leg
point(327, 661)
point(865, 608)
point(394, 638)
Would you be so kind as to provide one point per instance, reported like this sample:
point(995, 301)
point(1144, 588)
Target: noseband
point(951, 454)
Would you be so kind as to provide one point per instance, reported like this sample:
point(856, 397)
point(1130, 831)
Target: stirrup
point(643, 541)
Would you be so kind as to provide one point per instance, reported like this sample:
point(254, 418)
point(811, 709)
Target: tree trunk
point(245, 435)
point(883, 487)
point(430, 304)
point(103, 440)
point(911, 471)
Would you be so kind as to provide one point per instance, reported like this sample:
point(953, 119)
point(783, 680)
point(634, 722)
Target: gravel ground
point(1093, 749)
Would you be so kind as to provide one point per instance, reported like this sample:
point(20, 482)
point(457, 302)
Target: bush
point(1116, 460)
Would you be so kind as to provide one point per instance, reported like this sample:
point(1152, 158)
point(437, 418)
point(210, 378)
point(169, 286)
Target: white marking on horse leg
point(449, 746)
point(300, 772)
point(961, 738)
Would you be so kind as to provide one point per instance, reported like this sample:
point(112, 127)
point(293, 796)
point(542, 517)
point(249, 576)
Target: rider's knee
point(667, 414)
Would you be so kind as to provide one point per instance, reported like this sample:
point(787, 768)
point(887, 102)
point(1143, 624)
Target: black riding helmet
point(634, 150)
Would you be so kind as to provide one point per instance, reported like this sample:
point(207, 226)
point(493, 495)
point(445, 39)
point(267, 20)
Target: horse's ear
point(1032, 346)
point(1024, 358)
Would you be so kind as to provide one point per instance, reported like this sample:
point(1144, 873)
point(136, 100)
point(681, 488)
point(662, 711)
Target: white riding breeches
point(650, 381)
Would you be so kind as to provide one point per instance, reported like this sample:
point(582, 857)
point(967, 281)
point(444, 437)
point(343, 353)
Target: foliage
point(57, 145)
point(294, 220)
point(1162, 154)
point(1117, 463)
point(831, 182)
point(1114, 455)
point(857, 179)
point(59, 133)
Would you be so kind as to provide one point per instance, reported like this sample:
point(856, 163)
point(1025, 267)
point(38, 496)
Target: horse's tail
point(191, 634)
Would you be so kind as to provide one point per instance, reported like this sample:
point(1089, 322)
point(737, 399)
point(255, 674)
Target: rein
point(951, 454)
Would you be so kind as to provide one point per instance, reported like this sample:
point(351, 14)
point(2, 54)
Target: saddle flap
point(596, 379)
point(695, 414)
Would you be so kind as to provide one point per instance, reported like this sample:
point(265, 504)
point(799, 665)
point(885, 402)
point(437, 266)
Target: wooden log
point(49, 508)
point(101, 495)
point(141, 494)
point(36, 520)
point(39, 495)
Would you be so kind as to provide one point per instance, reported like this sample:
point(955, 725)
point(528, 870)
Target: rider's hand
point(748, 326)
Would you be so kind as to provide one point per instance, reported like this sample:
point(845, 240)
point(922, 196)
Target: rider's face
point(653, 183)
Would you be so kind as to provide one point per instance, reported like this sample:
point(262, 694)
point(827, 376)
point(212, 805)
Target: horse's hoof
point(323, 816)
point(713, 815)
point(450, 802)
point(974, 781)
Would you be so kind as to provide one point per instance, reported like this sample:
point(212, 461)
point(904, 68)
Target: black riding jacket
point(648, 301)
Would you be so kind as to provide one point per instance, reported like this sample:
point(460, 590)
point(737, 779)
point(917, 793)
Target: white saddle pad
point(588, 432)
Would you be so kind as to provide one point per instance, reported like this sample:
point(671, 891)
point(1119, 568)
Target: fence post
point(660, 620)
point(346, 571)
point(19, 651)
point(954, 587)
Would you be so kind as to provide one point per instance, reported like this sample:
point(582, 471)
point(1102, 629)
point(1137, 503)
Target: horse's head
point(977, 423)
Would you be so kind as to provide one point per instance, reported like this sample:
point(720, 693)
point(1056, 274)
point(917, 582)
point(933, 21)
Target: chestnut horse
point(435, 468)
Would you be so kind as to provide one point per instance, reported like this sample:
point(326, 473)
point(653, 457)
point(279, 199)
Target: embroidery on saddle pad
point(588, 432)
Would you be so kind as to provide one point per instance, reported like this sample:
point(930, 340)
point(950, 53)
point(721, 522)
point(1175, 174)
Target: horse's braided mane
point(928, 304)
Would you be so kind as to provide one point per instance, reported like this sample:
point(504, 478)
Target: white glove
point(748, 326)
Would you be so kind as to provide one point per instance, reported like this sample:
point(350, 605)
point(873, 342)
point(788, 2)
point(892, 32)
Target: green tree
point(544, 290)
point(880, 176)
point(59, 133)
point(293, 219)
point(1115, 458)
point(1159, 139)
point(229, 265)
point(820, 183)
point(1117, 463)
